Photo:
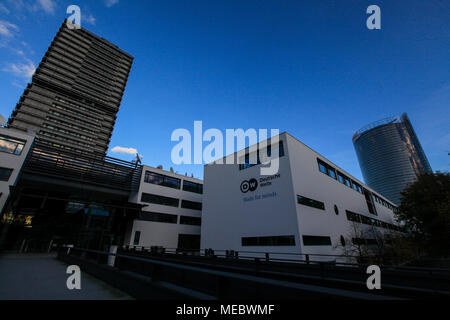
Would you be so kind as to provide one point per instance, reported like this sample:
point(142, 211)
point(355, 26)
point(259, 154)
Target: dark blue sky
point(311, 68)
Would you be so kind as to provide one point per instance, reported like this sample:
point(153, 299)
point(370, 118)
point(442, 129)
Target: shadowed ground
point(43, 277)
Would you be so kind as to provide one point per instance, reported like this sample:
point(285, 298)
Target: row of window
point(70, 133)
point(78, 107)
point(337, 175)
point(342, 178)
point(307, 241)
point(5, 174)
point(171, 182)
point(11, 146)
point(385, 203)
point(310, 202)
point(351, 216)
point(248, 164)
point(170, 218)
point(59, 146)
point(71, 125)
point(268, 241)
point(316, 241)
point(359, 218)
point(284, 241)
point(170, 202)
point(61, 138)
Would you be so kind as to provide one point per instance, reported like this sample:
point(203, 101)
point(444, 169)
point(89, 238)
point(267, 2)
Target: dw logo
point(247, 186)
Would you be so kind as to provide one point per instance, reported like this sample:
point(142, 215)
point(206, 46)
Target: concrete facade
point(164, 224)
point(272, 217)
point(14, 148)
point(75, 93)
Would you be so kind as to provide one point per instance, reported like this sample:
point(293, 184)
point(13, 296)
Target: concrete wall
point(11, 161)
point(229, 214)
point(158, 233)
point(309, 182)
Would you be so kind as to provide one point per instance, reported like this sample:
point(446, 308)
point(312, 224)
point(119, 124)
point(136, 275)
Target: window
point(332, 173)
point(268, 241)
point(310, 202)
point(159, 217)
point(327, 169)
point(164, 201)
point(355, 217)
point(191, 205)
point(5, 174)
point(343, 241)
point(357, 187)
point(192, 187)
point(192, 221)
point(248, 164)
point(12, 146)
point(316, 241)
point(137, 238)
point(344, 179)
point(322, 167)
point(369, 201)
point(336, 210)
point(366, 220)
point(351, 216)
point(162, 180)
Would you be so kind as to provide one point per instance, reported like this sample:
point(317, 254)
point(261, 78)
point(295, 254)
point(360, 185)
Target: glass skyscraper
point(75, 93)
point(390, 156)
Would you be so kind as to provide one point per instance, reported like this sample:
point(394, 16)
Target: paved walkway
point(43, 277)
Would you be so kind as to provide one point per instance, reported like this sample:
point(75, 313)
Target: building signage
point(252, 185)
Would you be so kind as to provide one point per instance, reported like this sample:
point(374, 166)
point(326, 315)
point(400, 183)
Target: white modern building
point(172, 214)
point(14, 147)
point(310, 206)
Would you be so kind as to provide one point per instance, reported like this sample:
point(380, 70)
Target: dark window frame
point(158, 217)
point(269, 241)
point(192, 205)
point(190, 221)
point(19, 145)
point(247, 164)
point(5, 173)
point(193, 187)
point(325, 168)
point(310, 202)
point(161, 200)
point(316, 241)
point(137, 238)
point(165, 181)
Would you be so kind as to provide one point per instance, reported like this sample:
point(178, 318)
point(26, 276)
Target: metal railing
point(233, 282)
point(103, 171)
point(283, 257)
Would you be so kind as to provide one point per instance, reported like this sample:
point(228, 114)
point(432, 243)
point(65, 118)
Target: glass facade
point(390, 156)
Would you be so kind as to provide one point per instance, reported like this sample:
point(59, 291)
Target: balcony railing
point(101, 171)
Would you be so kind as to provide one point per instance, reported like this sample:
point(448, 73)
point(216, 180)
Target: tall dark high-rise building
point(75, 93)
point(390, 156)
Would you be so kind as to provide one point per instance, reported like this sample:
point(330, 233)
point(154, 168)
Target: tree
point(425, 210)
point(364, 243)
